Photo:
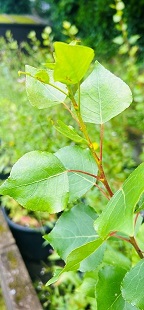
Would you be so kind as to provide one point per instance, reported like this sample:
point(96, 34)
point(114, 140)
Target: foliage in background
point(14, 6)
point(134, 15)
point(68, 293)
point(94, 19)
point(127, 65)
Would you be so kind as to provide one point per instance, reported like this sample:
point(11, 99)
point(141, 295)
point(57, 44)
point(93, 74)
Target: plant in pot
point(105, 245)
point(28, 228)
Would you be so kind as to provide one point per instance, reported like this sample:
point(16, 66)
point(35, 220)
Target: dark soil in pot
point(29, 240)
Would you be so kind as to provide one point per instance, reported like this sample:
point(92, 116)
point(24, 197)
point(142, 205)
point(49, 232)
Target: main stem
point(98, 160)
point(102, 178)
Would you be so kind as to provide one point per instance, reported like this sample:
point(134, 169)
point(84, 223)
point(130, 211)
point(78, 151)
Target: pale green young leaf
point(43, 95)
point(76, 158)
point(133, 286)
point(42, 76)
point(75, 258)
point(103, 96)
point(118, 214)
point(108, 289)
point(69, 132)
point(72, 62)
point(38, 181)
point(49, 65)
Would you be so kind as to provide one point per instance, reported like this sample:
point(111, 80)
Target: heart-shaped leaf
point(72, 62)
point(103, 96)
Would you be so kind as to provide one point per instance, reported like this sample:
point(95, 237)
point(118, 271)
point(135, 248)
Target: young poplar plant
point(55, 182)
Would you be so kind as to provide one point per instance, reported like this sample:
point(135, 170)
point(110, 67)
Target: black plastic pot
point(29, 240)
point(4, 176)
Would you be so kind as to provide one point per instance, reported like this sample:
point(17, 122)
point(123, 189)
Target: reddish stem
point(135, 245)
point(92, 175)
point(131, 240)
point(84, 172)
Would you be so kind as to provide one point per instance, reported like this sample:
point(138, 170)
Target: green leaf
point(38, 181)
point(76, 158)
point(103, 96)
point(69, 132)
point(77, 256)
point(76, 241)
point(140, 205)
point(72, 62)
point(118, 40)
point(133, 39)
point(133, 286)
point(50, 65)
point(108, 289)
point(73, 229)
point(42, 76)
point(81, 253)
point(42, 95)
point(116, 258)
point(118, 215)
point(93, 260)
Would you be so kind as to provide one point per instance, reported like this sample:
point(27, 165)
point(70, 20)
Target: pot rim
point(42, 229)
